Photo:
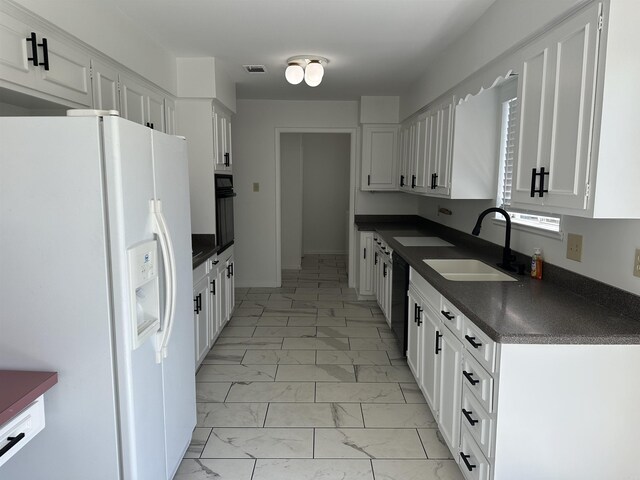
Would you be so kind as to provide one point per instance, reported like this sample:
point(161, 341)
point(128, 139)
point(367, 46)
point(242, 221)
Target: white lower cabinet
point(365, 285)
point(429, 378)
point(202, 313)
point(382, 271)
point(208, 305)
point(473, 463)
point(227, 282)
point(449, 348)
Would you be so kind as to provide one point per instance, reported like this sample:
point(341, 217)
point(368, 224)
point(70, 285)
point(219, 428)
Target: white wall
point(504, 24)
point(325, 192)
point(98, 24)
point(291, 204)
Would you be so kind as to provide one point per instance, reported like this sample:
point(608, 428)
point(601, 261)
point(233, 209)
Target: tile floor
point(307, 382)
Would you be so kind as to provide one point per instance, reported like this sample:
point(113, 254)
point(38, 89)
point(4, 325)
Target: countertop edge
point(27, 398)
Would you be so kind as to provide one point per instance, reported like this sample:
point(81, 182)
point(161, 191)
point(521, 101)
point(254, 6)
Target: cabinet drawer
point(479, 382)
point(452, 318)
point(479, 344)
point(200, 271)
point(473, 463)
point(22, 428)
point(477, 420)
point(429, 293)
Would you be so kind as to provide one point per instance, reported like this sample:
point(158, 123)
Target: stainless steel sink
point(467, 270)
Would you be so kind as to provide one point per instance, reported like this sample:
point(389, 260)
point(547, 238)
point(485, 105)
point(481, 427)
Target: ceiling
point(374, 47)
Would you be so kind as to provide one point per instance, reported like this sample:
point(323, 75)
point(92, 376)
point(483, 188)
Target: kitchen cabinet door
point(214, 322)
point(441, 165)
point(133, 101)
point(202, 312)
point(155, 106)
point(365, 286)
point(387, 291)
point(450, 391)
point(15, 67)
point(230, 299)
point(429, 380)
point(379, 157)
point(222, 140)
point(556, 92)
point(170, 116)
point(419, 183)
point(413, 334)
point(104, 82)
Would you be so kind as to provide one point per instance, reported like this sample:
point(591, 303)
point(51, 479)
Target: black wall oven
point(224, 210)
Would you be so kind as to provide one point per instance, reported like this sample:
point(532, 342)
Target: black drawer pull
point(447, 315)
point(45, 53)
point(34, 49)
point(13, 441)
point(465, 458)
point(402, 180)
point(469, 376)
point(213, 287)
point(472, 341)
point(438, 347)
point(469, 418)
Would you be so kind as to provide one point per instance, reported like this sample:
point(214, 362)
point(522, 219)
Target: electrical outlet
point(256, 187)
point(636, 263)
point(574, 247)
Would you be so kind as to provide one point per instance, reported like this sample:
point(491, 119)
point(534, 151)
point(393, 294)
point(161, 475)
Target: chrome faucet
point(507, 256)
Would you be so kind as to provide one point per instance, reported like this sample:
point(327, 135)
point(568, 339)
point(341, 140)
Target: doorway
point(315, 192)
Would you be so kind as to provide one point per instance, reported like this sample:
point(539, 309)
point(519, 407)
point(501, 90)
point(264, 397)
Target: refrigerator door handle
point(166, 246)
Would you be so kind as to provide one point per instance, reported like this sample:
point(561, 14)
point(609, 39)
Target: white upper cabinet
point(38, 59)
point(556, 89)
point(223, 154)
point(105, 86)
point(379, 157)
point(578, 119)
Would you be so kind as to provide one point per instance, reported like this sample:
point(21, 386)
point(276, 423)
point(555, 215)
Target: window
point(507, 154)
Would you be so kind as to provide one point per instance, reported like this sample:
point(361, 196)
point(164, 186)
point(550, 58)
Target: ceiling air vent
point(255, 68)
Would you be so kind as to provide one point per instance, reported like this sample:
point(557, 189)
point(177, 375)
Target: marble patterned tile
point(215, 469)
point(317, 322)
point(248, 311)
point(367, 322)
point(352, 357)
point(256, 296)
point(416, 470)
point(373, 343)
point(345, 312)
point(312, 469)
point(257, 322)
point(248, 343)
point(294, 296)
point(383, 373)
point(290, 312)
point(317, 304)
point(266, 304)
point(224, 357)
point(325, 343)
point(360, 332)
point(212, 392)
point(337, 296)
point(232, 331)
point(397, 415)
point(231, 414)
point(285, 332)
point(260, 443)
point(271, 290)
point(434, 444)
point(198, 440)
point(359, 392)
point(320, 291)
point(412, 393)
point(236, 373)
point(398, 443)
point(386, 332)
point(315, 373)
point(272, 392)
point(314, 415)
point(280, 357)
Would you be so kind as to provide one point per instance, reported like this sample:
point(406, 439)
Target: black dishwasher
point(399, 300)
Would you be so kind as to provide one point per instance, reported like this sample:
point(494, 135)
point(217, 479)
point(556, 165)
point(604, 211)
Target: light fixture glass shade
point(313, 73)
point(294, 73)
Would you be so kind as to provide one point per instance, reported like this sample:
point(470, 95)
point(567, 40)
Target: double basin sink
point(456, 269)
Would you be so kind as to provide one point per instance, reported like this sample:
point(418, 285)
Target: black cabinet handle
point(215, 262)
point(469, 377)
point(152, 127)
point(232, 268)
point(226, 159)
point(365, 253)
point(435, 181)
point(472, 341)
point(384, 269)
point(438, 347)
point(415, 313)
point(402, 180)
point(368, 179)
point(213, 287)
point(195, 302)
point(228, 271)
point(13, 441)
point(413, 181)
point(465, 459)
point(34, 49)
point(469, 418)
point(541, 190)
point(447, 315)
point(45, 53)
point(533, 182)
point(375, 262)
point(419, 315)
point(199, 302)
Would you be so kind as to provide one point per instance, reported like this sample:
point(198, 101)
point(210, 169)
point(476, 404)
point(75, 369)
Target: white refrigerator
point(96, 284)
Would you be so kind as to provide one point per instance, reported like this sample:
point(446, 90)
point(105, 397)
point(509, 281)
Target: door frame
point(353, 132)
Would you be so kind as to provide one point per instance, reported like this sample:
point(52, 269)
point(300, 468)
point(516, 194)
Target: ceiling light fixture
point(307, 67)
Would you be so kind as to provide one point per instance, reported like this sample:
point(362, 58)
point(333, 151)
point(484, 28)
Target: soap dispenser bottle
point(536, 264)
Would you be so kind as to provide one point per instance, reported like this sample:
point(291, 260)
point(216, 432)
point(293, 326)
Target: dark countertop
point(19, 388)
point(526, 311)
point(202, 247)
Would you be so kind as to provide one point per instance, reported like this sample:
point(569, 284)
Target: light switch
point(256, 186)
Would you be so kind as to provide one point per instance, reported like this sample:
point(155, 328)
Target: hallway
point(307, 382)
